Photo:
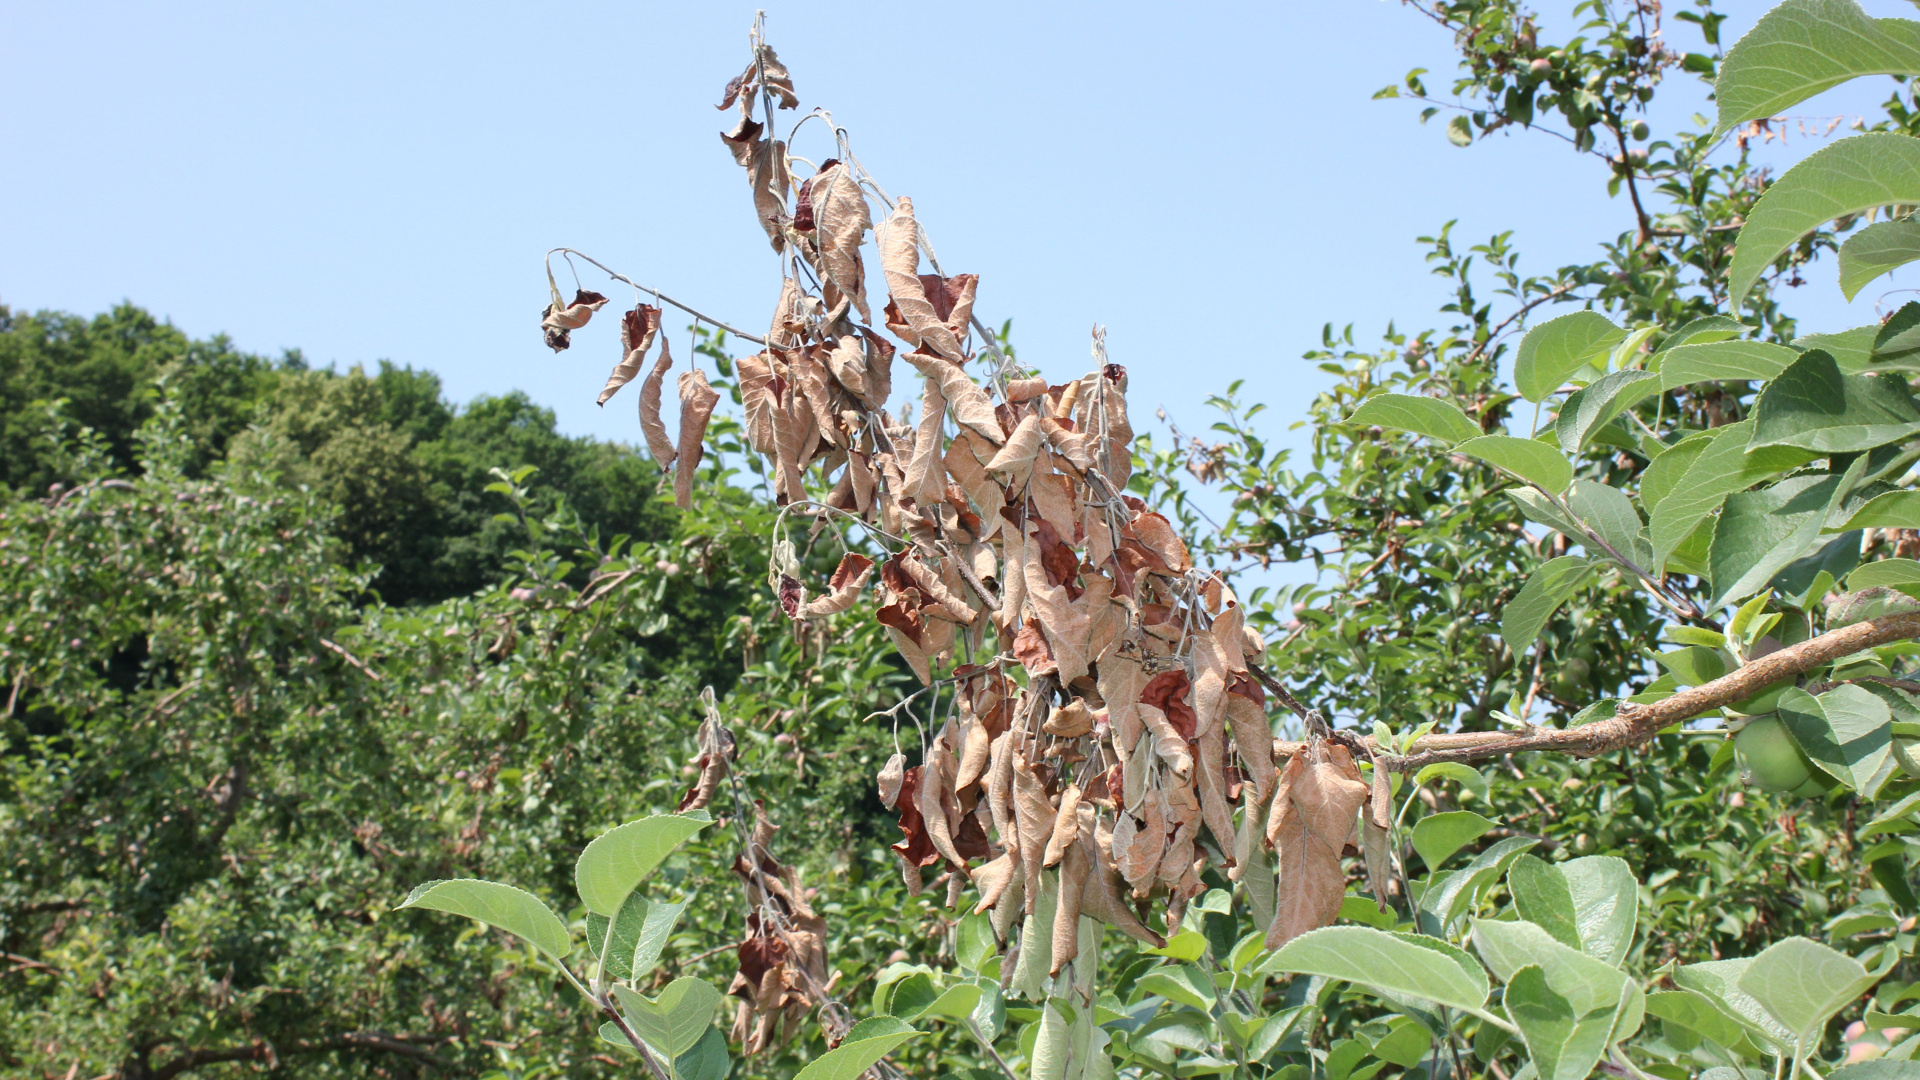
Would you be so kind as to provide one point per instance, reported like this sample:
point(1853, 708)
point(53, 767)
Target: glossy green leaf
point(1847, 732)
point(1437, 836)
point(1724, 467)
point(1665, 472)
point(974, 944)
point(1183, 983)
point(1409, 964)
point(1725, 361)
point(1564, 1040)
point(1186, 947)
point(912, 996)
point(869, 1041)
point(1880, 248)
point(1586, 410)
point(1847, 177)
point(516, 911)
point(1543, 898)
point(1468, 777)
point(1546, 589)
point(1814, 405)
point(614, 863)
point(1886, 573)
point(956, 1002)
point(1555, 349)
point(673, 1022)
point(1760, 532)
point(1802, 984)
point(1851, 349)
point(1802, 47)
point(1529, 459)
point(1896, 347)
point(1432, 417)
point(1543, 511)
point(708, 1060)
point(640, 932)
point(1703, 330)
point(1694, 666)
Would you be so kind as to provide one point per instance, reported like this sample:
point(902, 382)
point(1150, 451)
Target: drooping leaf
point(1847, 177)
point(1437, 836)
point(1564, 1041)
point(1851, 349)
point(1610, 514)
point(677, 1020)
point(1761, 532)
point(615, 862)
point(1555, 349)
point(1880, 248)
point(1724, 361)
point(1529, 459)
point(1696, 1013)
point(1812, 404)
point(1707, 328)
point(1546, 589)
point(1718, 982)
point(1468, 777)
point(1411, 964)
point(516, 911)
point(1802, 47)
point(1590, 408)
point(1456, 895)
point(869, 1041)
point(1436, 419)
point(1183, 983)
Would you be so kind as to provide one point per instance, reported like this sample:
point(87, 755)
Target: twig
point(658, 295)
point(351, 659)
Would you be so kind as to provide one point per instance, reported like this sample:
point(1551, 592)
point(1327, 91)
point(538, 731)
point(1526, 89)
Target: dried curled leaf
point(971, 408)
point(900, 264)
point(892, 774)
point(1313, 820)
point(845, 585)
point(697, 399)
point(1066, 826)
point(559, 320)
point(654, 428)
point(637, 331)
point(841, 218)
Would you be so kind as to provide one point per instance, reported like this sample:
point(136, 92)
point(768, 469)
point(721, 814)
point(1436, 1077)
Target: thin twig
point(351, 659)
point(660, 296)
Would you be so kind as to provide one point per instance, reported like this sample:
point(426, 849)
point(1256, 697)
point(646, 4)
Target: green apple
point(1769, 758)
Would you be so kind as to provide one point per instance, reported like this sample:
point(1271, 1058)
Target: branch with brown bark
point(408, 1046)
point(1635, 723)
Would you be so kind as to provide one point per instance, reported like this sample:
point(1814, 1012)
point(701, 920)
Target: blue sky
point(367, 181)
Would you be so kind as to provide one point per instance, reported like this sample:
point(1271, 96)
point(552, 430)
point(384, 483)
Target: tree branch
point(404, 1045)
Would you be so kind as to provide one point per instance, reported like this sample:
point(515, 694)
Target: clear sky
point(367, 181)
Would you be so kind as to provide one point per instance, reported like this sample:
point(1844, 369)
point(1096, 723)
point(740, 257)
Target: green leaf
point(869, 1041)
point(1886, 573)
point(1846, 177)
point(1460, 130)
point(640, 931)
point(990, 1016)
point(1812, 404)
point(707, 1060)
point(1546, 589)
point(614, 863)
point(673, 1022)
point(1186, 947)
point(1847, 732)
point(1606, 904)
point(1880, 248)
point(912, 996)
point(1696, 1013)
point(1724, 467)
point(1891, 510)
point(1543, 898)
point(1437, 836)
point(1718, 982)
point(1183, 983)
point(1664, 472)
point(1725, 361)
point(1897, 346)
point(1587, 983)
point(1564, 1041)
point(1694, 666)
point(1410, 964)
point(1529, 459)
point(1704, 330)
point(1802, 984)
point(1542, 510)
point(1427, 416)
point(1851, 349)
point(1457, 894)
point(1760, 532)
point(1555, 349)
point(956, 1002)
point(516, 911)
point(1469, 778)
point(973, 941)
point(1610, 514)
point(1588, 409)
point(1802, 47)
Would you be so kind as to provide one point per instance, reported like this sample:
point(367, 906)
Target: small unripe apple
point(1769, 758)
point(1541, 65)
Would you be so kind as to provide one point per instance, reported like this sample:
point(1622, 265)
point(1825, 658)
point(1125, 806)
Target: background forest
point(280, 643)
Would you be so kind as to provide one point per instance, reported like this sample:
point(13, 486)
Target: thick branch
point(357, 1040)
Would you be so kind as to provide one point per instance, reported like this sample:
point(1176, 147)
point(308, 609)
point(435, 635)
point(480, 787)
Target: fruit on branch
point(1769, 758)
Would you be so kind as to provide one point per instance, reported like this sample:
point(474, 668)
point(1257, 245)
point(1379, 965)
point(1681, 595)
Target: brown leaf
point(1102, 898)
point(1066, 826)
point(1210, 684)
point(1069, 721)
point(810, 379)
point(917, 849)
point(1140, 862)
point(1000, 790)
point(975, 755)
point(847, 581)
point(655, 429)
point(760, 391)
point(952, 299)
point(900, 264)
point(891, 776)
point(1215, 807)
point(908, 632)
point(1019, 390)
point(1031, 649)
point(1033, 815)
point(1065, 627)
point(774, 78)
point(1015, 459)
point(560, 320)
point(994, 878)
point(792, 596)
point(1253, 737)
point(697, 399)
point(1074, 870)
point(1321, 794)
point(843, 219)
point(1374, 830)
point(1168, 692)
point(926, 482)
point(1120, 683)
point(1156, 535)
point(1058, 560)
point(716, 751)
point(971, 408)
point(637, 331)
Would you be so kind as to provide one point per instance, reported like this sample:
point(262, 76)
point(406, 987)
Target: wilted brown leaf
point(697, 399)
point(994, 878)
point(1103, 896)
point(843, 217)
point(1168, 692)
point(1069, 721)
point(1215, 808)
point(1252, 733)
point(1075, 868)
point(1033, 815)
point(1374, 830)
point(1312, 821)
point(971, 408)
point(637, 330)
point(847, 581)
point(1015, 459)
point(654, 428)
point(892, 774)
point(900, 264)
point(926, 481)
point(1066, 826)
point(975, 755)
point(559, 320)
